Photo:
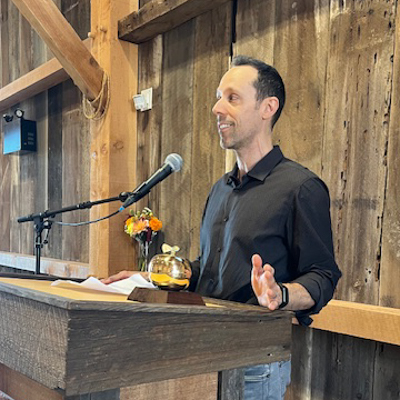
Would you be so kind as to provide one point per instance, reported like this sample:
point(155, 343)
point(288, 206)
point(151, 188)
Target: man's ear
point(269, 106)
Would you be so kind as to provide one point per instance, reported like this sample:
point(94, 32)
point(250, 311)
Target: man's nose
point(218, 107)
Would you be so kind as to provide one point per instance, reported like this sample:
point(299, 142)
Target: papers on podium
point(124, 286)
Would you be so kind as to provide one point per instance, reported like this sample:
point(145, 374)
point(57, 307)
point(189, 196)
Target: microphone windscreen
point(175, 161)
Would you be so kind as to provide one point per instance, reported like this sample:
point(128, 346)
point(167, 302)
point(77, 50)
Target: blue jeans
point(267, 382)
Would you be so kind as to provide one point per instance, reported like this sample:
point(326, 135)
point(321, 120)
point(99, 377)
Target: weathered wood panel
point(13, 57)
point(74, 334)
point(287, 34)
point(32, 182)
point(386, 372)
point(75, 174)
point(302, 350)
point(389, 295)
point(177, 132)
point(54, 169)
point(20, 387)
point(5, 165)
point(345, 369)
point(191, 388)
point(212, 43)
point(355, 139)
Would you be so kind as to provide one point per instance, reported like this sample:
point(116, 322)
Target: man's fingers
point(256, 261)
point(117, 277)
point(269, 268)
point(273, 305)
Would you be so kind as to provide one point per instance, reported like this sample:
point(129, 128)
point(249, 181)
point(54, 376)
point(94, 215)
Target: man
point(269, 210)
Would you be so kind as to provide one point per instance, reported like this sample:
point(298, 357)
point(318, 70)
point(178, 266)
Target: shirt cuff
point(195, 267)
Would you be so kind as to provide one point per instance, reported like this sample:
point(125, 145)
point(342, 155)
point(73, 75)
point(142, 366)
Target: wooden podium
point(72, 343)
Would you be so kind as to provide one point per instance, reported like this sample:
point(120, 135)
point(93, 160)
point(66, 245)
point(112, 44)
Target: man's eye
point(232, 97)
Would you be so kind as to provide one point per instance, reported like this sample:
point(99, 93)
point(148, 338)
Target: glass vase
point(143, 256)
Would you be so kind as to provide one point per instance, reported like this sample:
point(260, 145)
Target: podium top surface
point(79, 298)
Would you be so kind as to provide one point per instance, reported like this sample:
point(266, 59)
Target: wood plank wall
point(340, 61)
point(58, 174)
point(337, 59)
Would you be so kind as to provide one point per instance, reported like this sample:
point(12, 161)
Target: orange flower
point(155, 224)
point(139, 226)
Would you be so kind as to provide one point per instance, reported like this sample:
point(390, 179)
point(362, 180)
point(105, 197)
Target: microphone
point(172, 163)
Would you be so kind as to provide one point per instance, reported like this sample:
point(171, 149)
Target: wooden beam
point(48, 265)
point(161, 16)
point(64, 42)
point(113, 139)
point(42, 78)
point(360, 320)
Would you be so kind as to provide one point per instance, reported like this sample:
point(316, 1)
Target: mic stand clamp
point(40, 224)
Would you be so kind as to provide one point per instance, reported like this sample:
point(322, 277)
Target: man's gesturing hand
point(268, 292)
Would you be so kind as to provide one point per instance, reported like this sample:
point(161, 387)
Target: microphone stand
point(41, 221)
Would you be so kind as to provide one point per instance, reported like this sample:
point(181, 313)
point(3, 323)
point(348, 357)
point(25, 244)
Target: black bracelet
point(285, 295)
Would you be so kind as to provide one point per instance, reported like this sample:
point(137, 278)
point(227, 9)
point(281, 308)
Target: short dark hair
point(269, 82)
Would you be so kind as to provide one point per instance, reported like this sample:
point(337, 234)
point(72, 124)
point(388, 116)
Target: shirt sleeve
point(312, 261)
point(195, 266)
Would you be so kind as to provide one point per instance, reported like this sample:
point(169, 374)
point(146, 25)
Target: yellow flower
point(155, 224)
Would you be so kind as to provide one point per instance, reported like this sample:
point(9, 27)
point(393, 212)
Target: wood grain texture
point(292, 34)
point(188, 346)
point(302, 351)
point(231, 384)
point(149, 128)
point(200, 387)
point(26, 178)
point(113, 140)
point(13, 56)
point(355, 140)
point(55, 163)
point(45, 76)
point(362, 320)
point(64, 42)
point(171, 341)
point(386, 372)
point(390, 261)
point(75, 174)
point(177, 129)
point(212, 38)
point(4, 43)
point(19, 387)
point(113, 394)
point(48, 265)
point(162, 16)
point(5, 165)
point(22, 322)
point(342, 367)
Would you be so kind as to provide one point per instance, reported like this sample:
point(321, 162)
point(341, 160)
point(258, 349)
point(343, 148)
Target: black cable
point(84, 222)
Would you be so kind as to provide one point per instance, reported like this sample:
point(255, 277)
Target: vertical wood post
point(113, 138)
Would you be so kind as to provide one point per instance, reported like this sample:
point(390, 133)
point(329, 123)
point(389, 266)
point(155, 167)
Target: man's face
point(238, 116)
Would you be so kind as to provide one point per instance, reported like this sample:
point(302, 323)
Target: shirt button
point(226, 219)
point(219, 249)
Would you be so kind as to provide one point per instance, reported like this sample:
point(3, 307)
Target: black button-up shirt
point(279, 210)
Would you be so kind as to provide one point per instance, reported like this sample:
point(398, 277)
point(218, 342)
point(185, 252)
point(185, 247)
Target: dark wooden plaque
point(145, 295)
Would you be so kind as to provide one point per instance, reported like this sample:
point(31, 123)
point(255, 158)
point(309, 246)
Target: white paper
point(125, 286)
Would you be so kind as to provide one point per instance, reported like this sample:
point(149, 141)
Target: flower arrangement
point(142, 226)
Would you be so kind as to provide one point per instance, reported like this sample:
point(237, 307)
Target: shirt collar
point(261, 170)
